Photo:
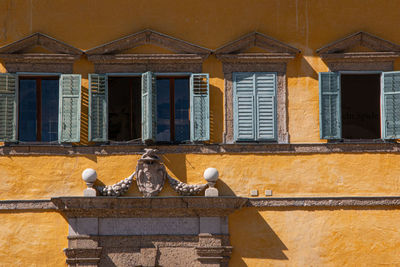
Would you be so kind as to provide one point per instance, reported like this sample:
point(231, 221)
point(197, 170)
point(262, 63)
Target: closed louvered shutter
point(391, 105)
point(255, 106)
point(149, 107)
point(265, 84)
point(70, 108)
point(98, 108)
point(199, 107)
point(329, 105)
point(8, 106)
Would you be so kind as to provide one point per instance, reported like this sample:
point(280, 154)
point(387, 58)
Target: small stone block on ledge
point(254, 193)
point(211, 192)
point(268, 192)
point(89, 192)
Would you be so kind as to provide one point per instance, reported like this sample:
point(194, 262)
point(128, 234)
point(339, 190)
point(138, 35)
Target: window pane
point(50, 102)
point(124, 108)
point(27, 110)
point(182, 101)
point(163, 110)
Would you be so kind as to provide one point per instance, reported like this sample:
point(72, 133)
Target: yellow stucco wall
point(272, 237)
point(33, 239)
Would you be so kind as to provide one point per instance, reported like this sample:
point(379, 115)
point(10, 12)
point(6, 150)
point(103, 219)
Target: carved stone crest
point(150, 178)
point(150, 173)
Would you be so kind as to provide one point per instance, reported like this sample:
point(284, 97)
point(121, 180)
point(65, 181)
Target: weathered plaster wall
point(33, 239)
point(321, 237)
point(286, 175)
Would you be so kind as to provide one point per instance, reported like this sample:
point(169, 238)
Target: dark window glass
point(182, 103)
point(38, 109)
point(27, 110)
point(163, 110)
point(173, 123)
point(50, 110)
point(124, 108)
point(360, 100)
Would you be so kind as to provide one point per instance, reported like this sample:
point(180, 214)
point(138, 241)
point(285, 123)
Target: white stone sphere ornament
point(211, 175)
point(89, 176)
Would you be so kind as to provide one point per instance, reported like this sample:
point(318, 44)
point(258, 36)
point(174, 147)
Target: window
point(40, 109)
point(359, 105)
point(254, 106)
point(153, 107)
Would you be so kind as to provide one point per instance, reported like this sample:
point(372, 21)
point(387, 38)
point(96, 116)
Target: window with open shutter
point(391, 105)
point(329, 105)
point(98, 97)
point(8, 98)
point(149, 107)
point(254, 106)
point(199, 107)
point(70, 108)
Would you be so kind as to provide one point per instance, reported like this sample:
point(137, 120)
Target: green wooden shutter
point(265, 84)
point(98, 108)
point(244, 107)
point(329, 105)
point(70, 108)
point(391, 105)
point(149, 107)
point(8, 107)
point(199, 107)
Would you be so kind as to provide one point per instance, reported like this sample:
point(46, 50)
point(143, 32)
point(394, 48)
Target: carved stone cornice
point(60, 59)
point(255, 57)
point(145, 58)
point(74, 207)
point(380, 49)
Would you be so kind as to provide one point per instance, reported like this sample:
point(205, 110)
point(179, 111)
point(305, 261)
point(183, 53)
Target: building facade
point(295, 103)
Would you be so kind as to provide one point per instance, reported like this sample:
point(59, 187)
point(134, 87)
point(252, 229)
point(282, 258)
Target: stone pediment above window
point(39, 53)
point(256, 47)
point(121, 56)
point(360, 46)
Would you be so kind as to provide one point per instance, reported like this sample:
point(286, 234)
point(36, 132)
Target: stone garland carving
point(150, 178)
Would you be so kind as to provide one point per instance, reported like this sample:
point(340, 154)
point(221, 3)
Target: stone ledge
point(324, 202)
point(183, 206)
point(245, 148)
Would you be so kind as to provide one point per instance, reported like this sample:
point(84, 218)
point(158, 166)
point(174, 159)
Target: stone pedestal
point(177, 231)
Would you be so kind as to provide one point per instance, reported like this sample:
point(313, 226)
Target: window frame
point(33, 75)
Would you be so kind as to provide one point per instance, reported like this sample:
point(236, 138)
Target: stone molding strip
point(169, 203)
point(255, 148)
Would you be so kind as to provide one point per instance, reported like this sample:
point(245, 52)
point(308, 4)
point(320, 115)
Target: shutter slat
point(329, 100)
point(391, 105)
point(70, 108)
point(199, 107)
point(8, 107)
point(149, 107)
point(98, 108)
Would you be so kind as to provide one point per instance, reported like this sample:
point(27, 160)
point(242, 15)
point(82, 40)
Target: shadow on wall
point(300, 67)
point(252, 237)
point(216, 114)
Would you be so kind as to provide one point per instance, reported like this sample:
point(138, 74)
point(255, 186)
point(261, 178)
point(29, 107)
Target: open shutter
point(149, 107)
point(98, 108)
point(329, 105)
point(70, 108)
point(265, 84)
point(199, 107)
point(8, 107)
point(244, 108)
point(391, 105)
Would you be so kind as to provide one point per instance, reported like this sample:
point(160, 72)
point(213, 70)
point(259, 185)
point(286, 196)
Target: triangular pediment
point(360, 42)
point(258, 42)
point(148, 38)
point(39, 43)
point(147, 49)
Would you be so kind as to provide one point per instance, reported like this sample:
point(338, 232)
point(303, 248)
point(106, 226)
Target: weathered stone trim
point(239, 148)
point(167, 205)
point(325, 202)
point(27, 205)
